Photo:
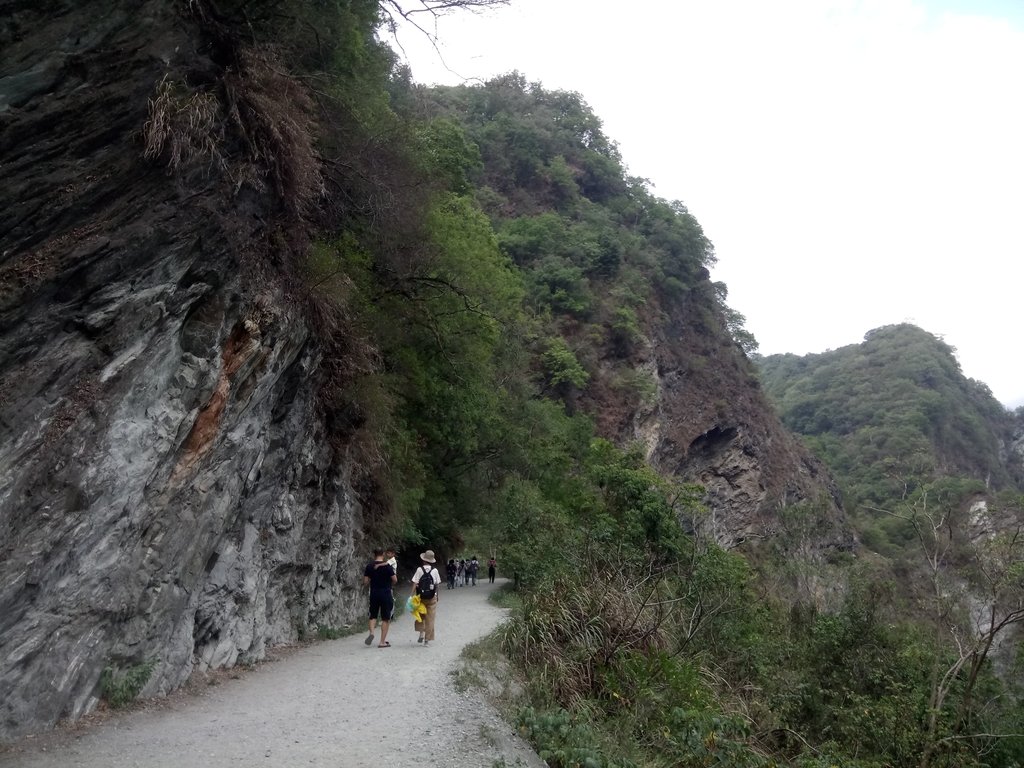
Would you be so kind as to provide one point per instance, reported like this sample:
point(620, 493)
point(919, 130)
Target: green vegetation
point(324, 632)
point(888, 416)
point(640, 659)
point(120, 687)
point(919, 453)
point(479, 269)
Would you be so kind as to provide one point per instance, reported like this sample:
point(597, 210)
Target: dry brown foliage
point(273, 114)
point(185, 126)
point(566, 635)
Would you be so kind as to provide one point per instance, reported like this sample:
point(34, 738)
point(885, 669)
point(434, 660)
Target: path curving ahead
point(336, 703)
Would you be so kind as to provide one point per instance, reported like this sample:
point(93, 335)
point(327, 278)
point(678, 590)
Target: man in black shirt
point(380, 577)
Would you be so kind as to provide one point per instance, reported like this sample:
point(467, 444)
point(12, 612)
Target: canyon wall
point(168, 498)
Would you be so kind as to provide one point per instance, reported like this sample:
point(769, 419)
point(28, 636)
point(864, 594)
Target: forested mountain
point(892, 414)
point(628, 327)
point(265, 303)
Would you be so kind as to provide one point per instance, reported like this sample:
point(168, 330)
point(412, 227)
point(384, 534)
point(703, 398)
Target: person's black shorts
point(382, 605)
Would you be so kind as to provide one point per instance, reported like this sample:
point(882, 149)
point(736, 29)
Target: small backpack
point(426, 588)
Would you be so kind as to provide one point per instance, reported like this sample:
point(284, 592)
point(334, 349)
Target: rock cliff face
point(727, 437)
point(167, 495)
point(710, 423)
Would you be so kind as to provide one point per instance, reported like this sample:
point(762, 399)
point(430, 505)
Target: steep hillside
point(621, 276)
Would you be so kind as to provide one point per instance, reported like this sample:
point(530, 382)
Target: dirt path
point(337, 703)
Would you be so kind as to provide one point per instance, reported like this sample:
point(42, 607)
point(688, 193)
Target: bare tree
point(415, 10)
point(970, 606)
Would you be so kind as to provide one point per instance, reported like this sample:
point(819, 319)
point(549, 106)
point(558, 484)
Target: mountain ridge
point(896, 409)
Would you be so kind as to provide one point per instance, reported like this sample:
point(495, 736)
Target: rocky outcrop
point(168, 498)
point(726, 436)
point(710, 423)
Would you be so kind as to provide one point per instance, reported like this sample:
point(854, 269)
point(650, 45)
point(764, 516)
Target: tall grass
point(613, 648)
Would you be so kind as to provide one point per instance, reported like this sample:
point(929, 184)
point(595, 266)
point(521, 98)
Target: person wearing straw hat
point(424, 583)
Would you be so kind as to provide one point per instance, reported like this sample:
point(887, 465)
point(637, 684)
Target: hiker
point(450, 571)
point(380, 577)
point(460, 575)
point(424, 583)
point(492, 568)
point(473, 567)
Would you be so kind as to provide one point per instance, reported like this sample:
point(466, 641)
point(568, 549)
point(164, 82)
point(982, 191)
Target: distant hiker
point(380, 577)
point(460, 575)
point(450, 570)
point(492, 568)
point(473, 567)
point(425, 583)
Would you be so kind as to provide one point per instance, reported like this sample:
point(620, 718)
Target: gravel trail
point(336, 703)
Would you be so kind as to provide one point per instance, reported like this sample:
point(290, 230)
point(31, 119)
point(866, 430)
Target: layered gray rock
point(168, 498)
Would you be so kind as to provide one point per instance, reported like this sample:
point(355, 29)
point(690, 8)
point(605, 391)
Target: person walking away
point(425, 583)
point(460, 577)
point(450, 571)
point(380, 577)
point(474, 566)
point(492, 568)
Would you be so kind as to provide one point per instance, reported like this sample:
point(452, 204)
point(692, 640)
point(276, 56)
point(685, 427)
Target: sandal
point(369, 639)
point(384, 645)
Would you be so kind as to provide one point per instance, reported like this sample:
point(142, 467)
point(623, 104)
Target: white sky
point(855, 163)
